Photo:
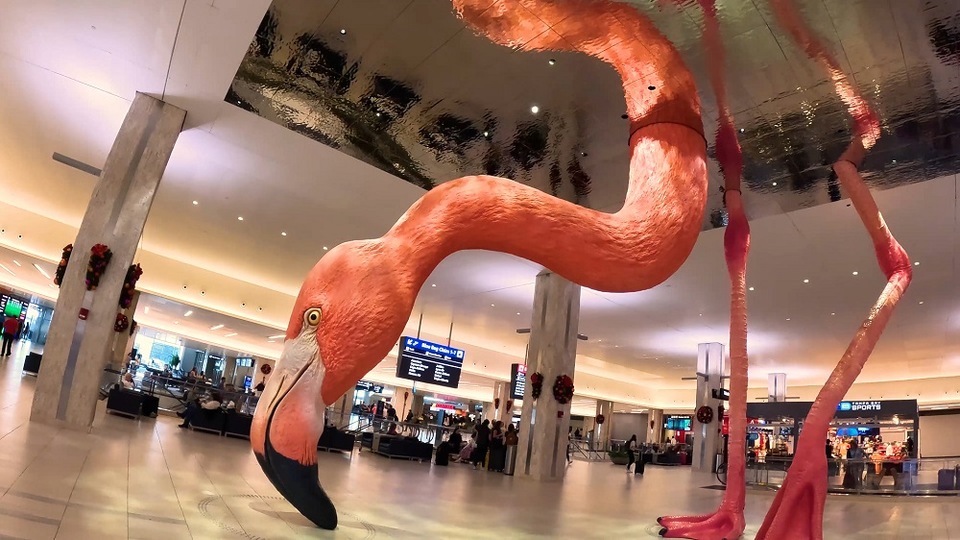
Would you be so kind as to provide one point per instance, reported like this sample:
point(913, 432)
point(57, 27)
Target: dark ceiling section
point(404, 86)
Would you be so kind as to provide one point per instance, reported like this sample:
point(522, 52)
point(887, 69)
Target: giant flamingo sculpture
point(336, 334)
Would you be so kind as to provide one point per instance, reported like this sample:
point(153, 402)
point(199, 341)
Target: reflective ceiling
point(405, 86)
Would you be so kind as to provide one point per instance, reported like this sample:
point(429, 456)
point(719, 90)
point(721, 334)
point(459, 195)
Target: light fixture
point(486, 133)
point(493, 305)
point(188, 313)
point(231, 334)
point(856, 273)
point(433, 284)
point(751, 288)
point(774, 184)
point(278, 336)
point(52, 286)
point(41, 270)
point(216, 327)
point(742, 130)
point(921, 302)
point(282, 233)
point(343, 31)
point(788, 318)
point(915, 263)
point(806, 281)
point(196, 203)
point(16, 262)
point(324, 248)
point(535, 109)
point(239, 218)
point(9, 271)
point(146, 309)
point(833, 313)
point(518, 313)
point(552, 62)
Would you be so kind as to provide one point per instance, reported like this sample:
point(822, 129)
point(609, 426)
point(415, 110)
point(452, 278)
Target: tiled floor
point(152, 480)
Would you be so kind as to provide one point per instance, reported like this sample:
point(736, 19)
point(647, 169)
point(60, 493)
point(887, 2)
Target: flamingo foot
point(721, 525)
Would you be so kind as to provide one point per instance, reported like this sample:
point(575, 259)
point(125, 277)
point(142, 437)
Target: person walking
point(631, 448)
point(10, 328)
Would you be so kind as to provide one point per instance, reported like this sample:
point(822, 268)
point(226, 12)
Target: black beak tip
point(299, 484)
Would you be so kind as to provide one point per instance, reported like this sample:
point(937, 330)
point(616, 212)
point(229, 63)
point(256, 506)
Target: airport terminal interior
point(480, 269)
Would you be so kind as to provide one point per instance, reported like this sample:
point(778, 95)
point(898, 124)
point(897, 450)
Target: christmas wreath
point(266, 369)
point(509, 406)
point(100, 256)
point(705, 414)
point(600, 419)
point(496, 403)
point(62, 266)
point(130, 285)
point(563, 389)
point(536, 384)
point(122, 323)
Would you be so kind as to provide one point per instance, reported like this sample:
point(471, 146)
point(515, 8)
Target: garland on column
point(62, 266)
point(600, 419)
point(100, 256)
point(563, 389)
point(536, 384)
point(121, 324)
point(130, 285)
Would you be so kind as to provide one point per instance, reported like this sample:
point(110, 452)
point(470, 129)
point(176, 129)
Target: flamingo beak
point(287, 427)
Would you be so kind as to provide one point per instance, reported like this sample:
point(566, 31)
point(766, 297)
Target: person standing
point(10, 328)
point(481, 437)
point(631, 449)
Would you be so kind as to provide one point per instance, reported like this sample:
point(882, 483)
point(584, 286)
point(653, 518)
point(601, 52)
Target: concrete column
point(706, 437)
point(552, 352)
point(77, 351)
point(501, 390)
point(655, 426)
point(123, 341)
point(601, 432)
point(776, 387)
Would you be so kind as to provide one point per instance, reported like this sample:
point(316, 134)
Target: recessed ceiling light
point(534, 109)
point(486, 133)
point(16, 262)
point(196, 203)
point(552, 62)
point(806, 281)
point(833, 313)
point(921, 302)
point(239, 218)
point(433, 284)
point(701, 314)
point(788, 318)
point(915, 263)
point(216, 327)
point(278, 336)
point(146, 309)
point(41, 270)
point(231, 334)
point(751, 288)
point(518, 313)
point(283, 233)
point(324, 248)
point(188, 313)
point(9, 271)
point(742, 130)
point(271, 341)
point(343, 31)
point(493, 305)
point(856, 273)
point(774, 183)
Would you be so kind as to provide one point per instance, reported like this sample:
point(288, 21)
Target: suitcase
point(946, 479)
point(443, 455)
point(640, 465)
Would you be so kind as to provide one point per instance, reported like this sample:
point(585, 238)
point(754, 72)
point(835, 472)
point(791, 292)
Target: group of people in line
point(488, 445)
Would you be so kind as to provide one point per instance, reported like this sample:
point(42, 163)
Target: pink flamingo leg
point(797, 510)
point(728, 521)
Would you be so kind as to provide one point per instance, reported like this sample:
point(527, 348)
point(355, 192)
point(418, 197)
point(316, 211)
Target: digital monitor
point(247, 382)
point(367, 386)
point(13, 308)
point(678, 423)
point(518, 380)
point(427, 362)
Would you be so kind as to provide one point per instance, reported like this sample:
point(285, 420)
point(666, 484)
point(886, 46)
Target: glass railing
point(926, 476)
point(359, 423)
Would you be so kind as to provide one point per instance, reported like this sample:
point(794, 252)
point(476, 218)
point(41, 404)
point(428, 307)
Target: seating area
point(332, 439)
point(131, 403)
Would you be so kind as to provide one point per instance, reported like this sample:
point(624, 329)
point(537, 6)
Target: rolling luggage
point(946, 479)
point(443, 454)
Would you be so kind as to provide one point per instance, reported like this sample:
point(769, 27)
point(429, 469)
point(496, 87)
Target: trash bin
point(511, 463)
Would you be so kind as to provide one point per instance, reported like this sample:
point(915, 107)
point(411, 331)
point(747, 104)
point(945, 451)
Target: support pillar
point(776, 387)
point(552, 351)
point(501, 391)
point(601, 433)
point(707, 440)
point(655, 426)
point(77, 350)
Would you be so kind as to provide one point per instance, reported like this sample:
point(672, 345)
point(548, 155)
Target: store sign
point(367, 386)
point(518, 380)
point(854, 406)
point(443, 407)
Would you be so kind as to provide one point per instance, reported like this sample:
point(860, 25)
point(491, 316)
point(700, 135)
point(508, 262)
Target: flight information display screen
point(427, 362)
point(518, 380)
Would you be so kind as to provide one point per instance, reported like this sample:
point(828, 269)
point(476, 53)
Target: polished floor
point(151, 480)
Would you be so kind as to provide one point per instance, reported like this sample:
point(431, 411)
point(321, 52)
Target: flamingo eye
point(313, 316)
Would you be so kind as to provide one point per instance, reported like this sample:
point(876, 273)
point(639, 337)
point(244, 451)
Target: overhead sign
point(428, 362)
point(368, 386)
point(853, 406)
point(518, 380)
